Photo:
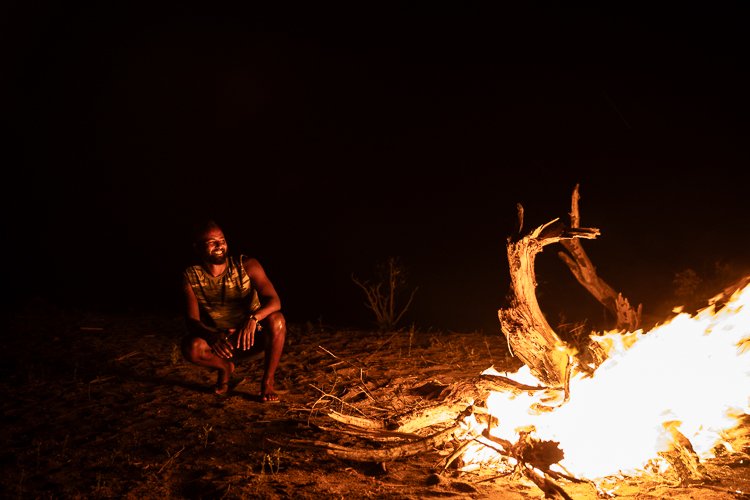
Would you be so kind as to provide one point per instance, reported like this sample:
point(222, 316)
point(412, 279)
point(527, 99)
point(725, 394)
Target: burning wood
point(683, 458)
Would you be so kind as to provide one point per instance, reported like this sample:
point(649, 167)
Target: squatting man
point(232, 312)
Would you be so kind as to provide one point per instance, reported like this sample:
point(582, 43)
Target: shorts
point(259, 345)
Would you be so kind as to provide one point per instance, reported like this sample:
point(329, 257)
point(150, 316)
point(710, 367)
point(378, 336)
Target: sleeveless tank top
point(224, 300)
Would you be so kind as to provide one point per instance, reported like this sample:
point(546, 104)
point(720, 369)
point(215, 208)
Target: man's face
point(214, 247)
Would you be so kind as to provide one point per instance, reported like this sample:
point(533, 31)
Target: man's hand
point(246, 338)
point(221, 345)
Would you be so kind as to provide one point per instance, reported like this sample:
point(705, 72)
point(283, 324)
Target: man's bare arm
point(269, 298)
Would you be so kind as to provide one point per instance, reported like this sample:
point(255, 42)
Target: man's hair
point(202, 227)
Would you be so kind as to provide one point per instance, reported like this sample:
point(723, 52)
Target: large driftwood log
point(626, 317)
point(529, 335)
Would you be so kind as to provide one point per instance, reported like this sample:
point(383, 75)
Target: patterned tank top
point(224, 300)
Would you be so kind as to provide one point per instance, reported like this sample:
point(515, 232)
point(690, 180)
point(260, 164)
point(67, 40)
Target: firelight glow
point(693, 371)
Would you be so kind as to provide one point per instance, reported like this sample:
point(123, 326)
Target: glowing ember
point(693, 372)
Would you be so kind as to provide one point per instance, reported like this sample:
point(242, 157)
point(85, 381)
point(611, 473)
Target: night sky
point(327, 139)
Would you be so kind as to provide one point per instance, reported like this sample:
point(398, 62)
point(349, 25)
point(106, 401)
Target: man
point(232, 311)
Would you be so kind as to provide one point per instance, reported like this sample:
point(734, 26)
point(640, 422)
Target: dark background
point(327, 139)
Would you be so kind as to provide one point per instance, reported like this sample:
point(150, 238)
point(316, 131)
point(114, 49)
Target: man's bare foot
point(223, 379)
point(269, 397)
point(267, 394)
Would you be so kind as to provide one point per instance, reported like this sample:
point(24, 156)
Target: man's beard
point(217, 259)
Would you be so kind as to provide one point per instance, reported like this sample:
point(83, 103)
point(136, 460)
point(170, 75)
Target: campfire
point(631, 403)
point(666, 398)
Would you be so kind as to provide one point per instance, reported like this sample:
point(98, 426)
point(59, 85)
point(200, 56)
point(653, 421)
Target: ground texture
point(102, 406)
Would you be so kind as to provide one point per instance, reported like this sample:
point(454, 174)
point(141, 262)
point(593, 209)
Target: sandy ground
point(102, 406)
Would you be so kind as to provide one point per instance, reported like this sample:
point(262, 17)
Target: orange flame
point(692, 372)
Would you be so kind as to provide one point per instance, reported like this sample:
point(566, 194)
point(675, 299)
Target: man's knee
point(275, 337)
point(276, 324)
point(192, 347)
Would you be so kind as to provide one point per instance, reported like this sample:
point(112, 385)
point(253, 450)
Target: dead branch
point(505, 384)
point(456, 453)
point(529, 335)
point(361, 422)
point(383, 303)
point(550, 488)
point(627, 318)
point(427, 417)
point(533, 458)
point(327, 396)
point(376, 435)
point(422, 445)
point(454, 400)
